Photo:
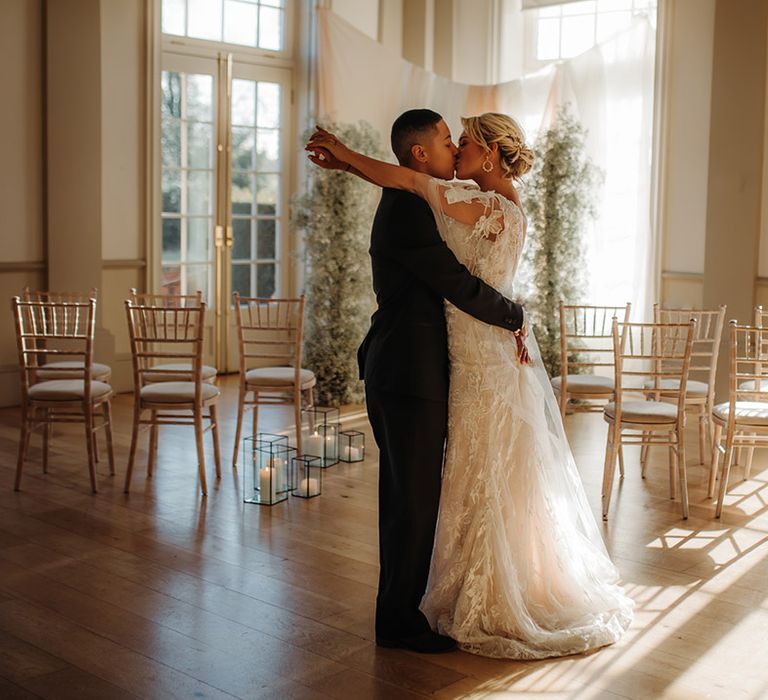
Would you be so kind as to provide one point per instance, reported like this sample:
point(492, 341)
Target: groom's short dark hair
point(409, 129)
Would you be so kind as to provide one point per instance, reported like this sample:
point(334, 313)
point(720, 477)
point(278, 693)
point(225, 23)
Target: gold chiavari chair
point(63, 369)
point(172, 301)
point(159, 334)
point(700, 387)
point(642, 352)
point(49, 330)
point(744, 417)
point(269, 335)
point(586, 344)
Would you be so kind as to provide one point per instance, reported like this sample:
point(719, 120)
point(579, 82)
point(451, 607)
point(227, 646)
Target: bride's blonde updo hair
point(515, 157)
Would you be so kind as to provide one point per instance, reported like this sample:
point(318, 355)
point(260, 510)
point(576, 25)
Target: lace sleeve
point(488, 212)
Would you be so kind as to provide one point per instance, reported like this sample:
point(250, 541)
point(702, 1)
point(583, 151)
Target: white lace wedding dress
point(519, 569)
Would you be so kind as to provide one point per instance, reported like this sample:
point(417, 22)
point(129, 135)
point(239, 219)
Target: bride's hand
point(522, 351)
point(323, 140)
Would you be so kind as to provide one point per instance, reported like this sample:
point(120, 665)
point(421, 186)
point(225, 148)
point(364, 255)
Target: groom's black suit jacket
point(406, 349)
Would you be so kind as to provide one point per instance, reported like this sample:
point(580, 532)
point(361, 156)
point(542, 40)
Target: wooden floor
point(164, 594)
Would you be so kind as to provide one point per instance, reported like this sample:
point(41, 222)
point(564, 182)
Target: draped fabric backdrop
point(610, 88)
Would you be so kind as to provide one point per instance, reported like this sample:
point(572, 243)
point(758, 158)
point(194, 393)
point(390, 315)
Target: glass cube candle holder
point(320, 428)
point(267, 477)
point(306, 476)
point(351, 446)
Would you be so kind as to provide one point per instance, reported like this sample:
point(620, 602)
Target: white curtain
point(610, 88)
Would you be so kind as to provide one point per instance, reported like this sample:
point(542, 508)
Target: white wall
point(363, 14)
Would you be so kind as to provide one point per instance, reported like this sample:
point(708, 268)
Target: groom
point(404, 362)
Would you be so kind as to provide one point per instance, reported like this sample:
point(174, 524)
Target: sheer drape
point(610, 88)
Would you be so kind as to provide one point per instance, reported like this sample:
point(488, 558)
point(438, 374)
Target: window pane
point(270, 28)
point(240, 20)
point(267, 150)
point(173, 17)
point(171, 191)
point(267, 194)
point(198, 238)
point(200, 97)
point(204, 20)
point(548, 39)
point(243, 102)
point(170, 142)
point(198, 192)
point(265, 280)
point(274, 3)
point(171, 87)
point(269, 105)
point(265, 243)
point(170, 279)
point(171, 240)
point(604, 5)
point(610, 23)
point(242, 193)
point(197, 279)
point(553, 11)
point(578, 35)
point(242, 148)
point(200, 145)
point(241, 280)
point(579, 8)
point(241, 232)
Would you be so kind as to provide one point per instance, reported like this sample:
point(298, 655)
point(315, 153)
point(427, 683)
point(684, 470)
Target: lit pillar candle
point(313, 445)
point(268, 484)
point(309, 487)
point(351, 454)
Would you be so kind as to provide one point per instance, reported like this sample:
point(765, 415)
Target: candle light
point(351, 454)
point(309, 487)
point(278, 472)
point(314, 445)
point(268, 484)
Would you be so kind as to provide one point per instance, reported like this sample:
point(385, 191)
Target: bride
point(519, 569)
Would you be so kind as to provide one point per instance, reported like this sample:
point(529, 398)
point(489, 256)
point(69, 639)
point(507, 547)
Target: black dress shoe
point(424, 643)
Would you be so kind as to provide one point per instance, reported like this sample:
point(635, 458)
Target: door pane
point(256, 167)
point(187, 146)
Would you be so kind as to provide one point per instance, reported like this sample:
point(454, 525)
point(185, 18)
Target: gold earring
point(487, 165)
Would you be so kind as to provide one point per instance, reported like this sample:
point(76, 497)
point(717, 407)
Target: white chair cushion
point(176, 392)
point(749, 385)
point(747, 412)
point(692, 386)
point(67, 390)
point(585, 384)
point(209, 373)
point(643, 412)
point(73, 370)
point(278, 377)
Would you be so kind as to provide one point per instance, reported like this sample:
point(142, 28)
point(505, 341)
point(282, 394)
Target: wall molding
point(23, 266)
point(127, 264)
point(682, 276)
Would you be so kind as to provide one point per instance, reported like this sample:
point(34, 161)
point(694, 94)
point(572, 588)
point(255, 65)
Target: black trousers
point(410, 433)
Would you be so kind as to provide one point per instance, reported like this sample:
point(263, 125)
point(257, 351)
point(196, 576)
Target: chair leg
point(644, 454)
point(609, 467)
point(724, 473)
point(672, 472)
point(621, 461)
point(47, 414)
point(702, 436)
point(152, 456)
point(563, 397)
point(88, 420)
point(200, 451)
point(132, 453)
point(714, 459)
point(297, 419)
point(23, 443)
point(215, 435)
point(255, 416)
point(682, 468)
point(750, 455)
point(95, 447)
point(107, 408)
point(239, 427)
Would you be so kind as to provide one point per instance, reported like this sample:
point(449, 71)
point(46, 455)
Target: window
point(255, 23)
point(566, 30)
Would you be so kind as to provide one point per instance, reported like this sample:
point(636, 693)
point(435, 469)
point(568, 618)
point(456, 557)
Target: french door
point(224, 134)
